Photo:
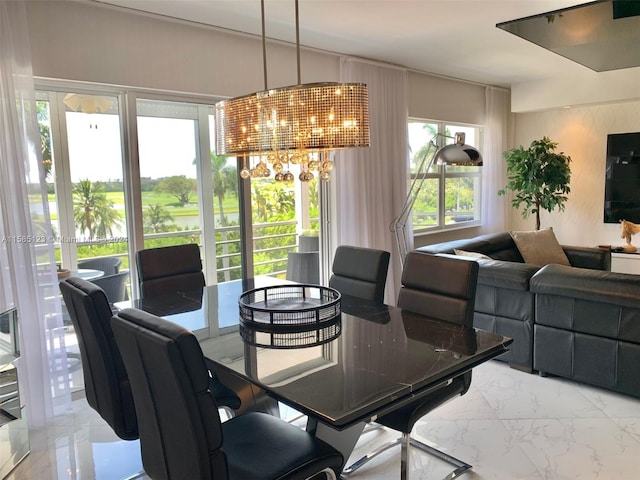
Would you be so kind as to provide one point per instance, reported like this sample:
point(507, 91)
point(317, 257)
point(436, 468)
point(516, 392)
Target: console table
point(625, 262)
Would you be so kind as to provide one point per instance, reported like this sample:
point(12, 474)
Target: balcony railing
point(270, 250)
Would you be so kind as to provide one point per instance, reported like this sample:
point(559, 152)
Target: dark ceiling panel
point(602, 36)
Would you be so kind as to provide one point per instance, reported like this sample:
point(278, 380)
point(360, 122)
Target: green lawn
point(230, 204)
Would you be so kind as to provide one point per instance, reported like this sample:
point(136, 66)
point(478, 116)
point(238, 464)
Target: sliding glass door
point(187, 193)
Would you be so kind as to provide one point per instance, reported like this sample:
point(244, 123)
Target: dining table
point(346, 371)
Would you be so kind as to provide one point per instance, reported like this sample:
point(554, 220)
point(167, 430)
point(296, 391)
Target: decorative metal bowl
point(289, 308)
point(309, 337)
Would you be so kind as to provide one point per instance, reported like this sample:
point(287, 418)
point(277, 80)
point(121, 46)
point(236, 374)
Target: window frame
point(441, 173)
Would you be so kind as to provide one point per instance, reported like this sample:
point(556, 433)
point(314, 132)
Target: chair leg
point(371, 455)
point(404, 456)
point(460, 465)
point(405, 441)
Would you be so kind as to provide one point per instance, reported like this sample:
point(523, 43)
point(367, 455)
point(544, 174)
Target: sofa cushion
point(586, 284)
point(540, 247)
point(507, 275)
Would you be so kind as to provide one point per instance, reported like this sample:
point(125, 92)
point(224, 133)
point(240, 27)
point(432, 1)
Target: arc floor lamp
point(457, 153)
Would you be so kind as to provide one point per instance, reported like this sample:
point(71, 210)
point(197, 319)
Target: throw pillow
point(540, 247)
point(464, 253)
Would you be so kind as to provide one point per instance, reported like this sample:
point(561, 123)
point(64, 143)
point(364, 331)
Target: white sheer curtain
point(370, 183)
point(495, 208)
point(27, 265)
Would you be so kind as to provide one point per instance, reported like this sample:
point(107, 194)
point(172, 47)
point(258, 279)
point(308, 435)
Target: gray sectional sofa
point(580, 322)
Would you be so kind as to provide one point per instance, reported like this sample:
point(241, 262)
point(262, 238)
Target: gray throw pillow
point(540, 247)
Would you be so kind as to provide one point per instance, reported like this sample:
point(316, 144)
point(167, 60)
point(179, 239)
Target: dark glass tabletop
point(373, 359)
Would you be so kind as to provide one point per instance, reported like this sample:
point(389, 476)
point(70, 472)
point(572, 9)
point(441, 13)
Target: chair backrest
point(109, 265)
point(360, 272)
point(105, 378)
point(169, 269)
point(303, 267)
point(180, 429)
point(114, 286)
point(439, 287)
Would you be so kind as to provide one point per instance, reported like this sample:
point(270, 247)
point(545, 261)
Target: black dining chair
point(169, 269)
point(441, 288)
point(108, 265)
point(106, 382)
point(181, 435)
point(105, 379)
point(360, 272)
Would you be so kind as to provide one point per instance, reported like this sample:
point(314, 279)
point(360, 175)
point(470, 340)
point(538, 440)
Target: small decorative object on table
point(291, 315)
point(627, 230)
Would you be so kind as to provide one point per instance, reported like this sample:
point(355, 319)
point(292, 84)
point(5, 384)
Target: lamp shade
point(459, 153)
point(309, 117)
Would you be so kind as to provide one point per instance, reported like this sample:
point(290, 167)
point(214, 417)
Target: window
point(147, 176)
point(450, 195)
point(121, 179)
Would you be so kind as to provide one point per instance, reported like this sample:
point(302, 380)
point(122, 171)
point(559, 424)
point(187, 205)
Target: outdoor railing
point(269, 259)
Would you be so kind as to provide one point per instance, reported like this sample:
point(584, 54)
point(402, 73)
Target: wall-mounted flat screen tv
point(622, 178)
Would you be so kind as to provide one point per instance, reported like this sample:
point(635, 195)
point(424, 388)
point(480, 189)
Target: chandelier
point(295, 125)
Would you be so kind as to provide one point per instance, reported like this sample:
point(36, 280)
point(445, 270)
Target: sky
point(167, 147)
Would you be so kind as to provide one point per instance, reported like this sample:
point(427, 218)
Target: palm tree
point(155, 218)
point(224, 180)
point(92, 211)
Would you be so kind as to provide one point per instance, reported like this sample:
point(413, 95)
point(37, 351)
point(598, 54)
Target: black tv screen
point(622, 178)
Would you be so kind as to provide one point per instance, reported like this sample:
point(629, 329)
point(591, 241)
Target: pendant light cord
point(298, 43)
point(264, 46)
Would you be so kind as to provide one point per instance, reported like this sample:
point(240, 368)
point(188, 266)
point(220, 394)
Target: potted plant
point(538, 176)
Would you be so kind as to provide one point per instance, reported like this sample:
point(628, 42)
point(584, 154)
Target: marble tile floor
point(510, 425)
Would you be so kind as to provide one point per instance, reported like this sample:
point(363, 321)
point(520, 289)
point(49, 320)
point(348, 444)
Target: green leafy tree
point(157, 219)
point(538, 176)
point(92, 211)
point(179, 186)
point(272, 201)
point(284, 199)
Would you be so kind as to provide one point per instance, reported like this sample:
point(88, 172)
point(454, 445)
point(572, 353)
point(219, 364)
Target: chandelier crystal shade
point(296, 125)
point(313, 116)
point(287, 125)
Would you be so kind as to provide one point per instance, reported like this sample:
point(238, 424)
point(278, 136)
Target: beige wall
point(586, 87)
point(582, 134)
point(96, 43)
point(439, 98)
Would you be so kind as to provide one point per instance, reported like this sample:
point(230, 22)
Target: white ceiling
point(456, 38)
